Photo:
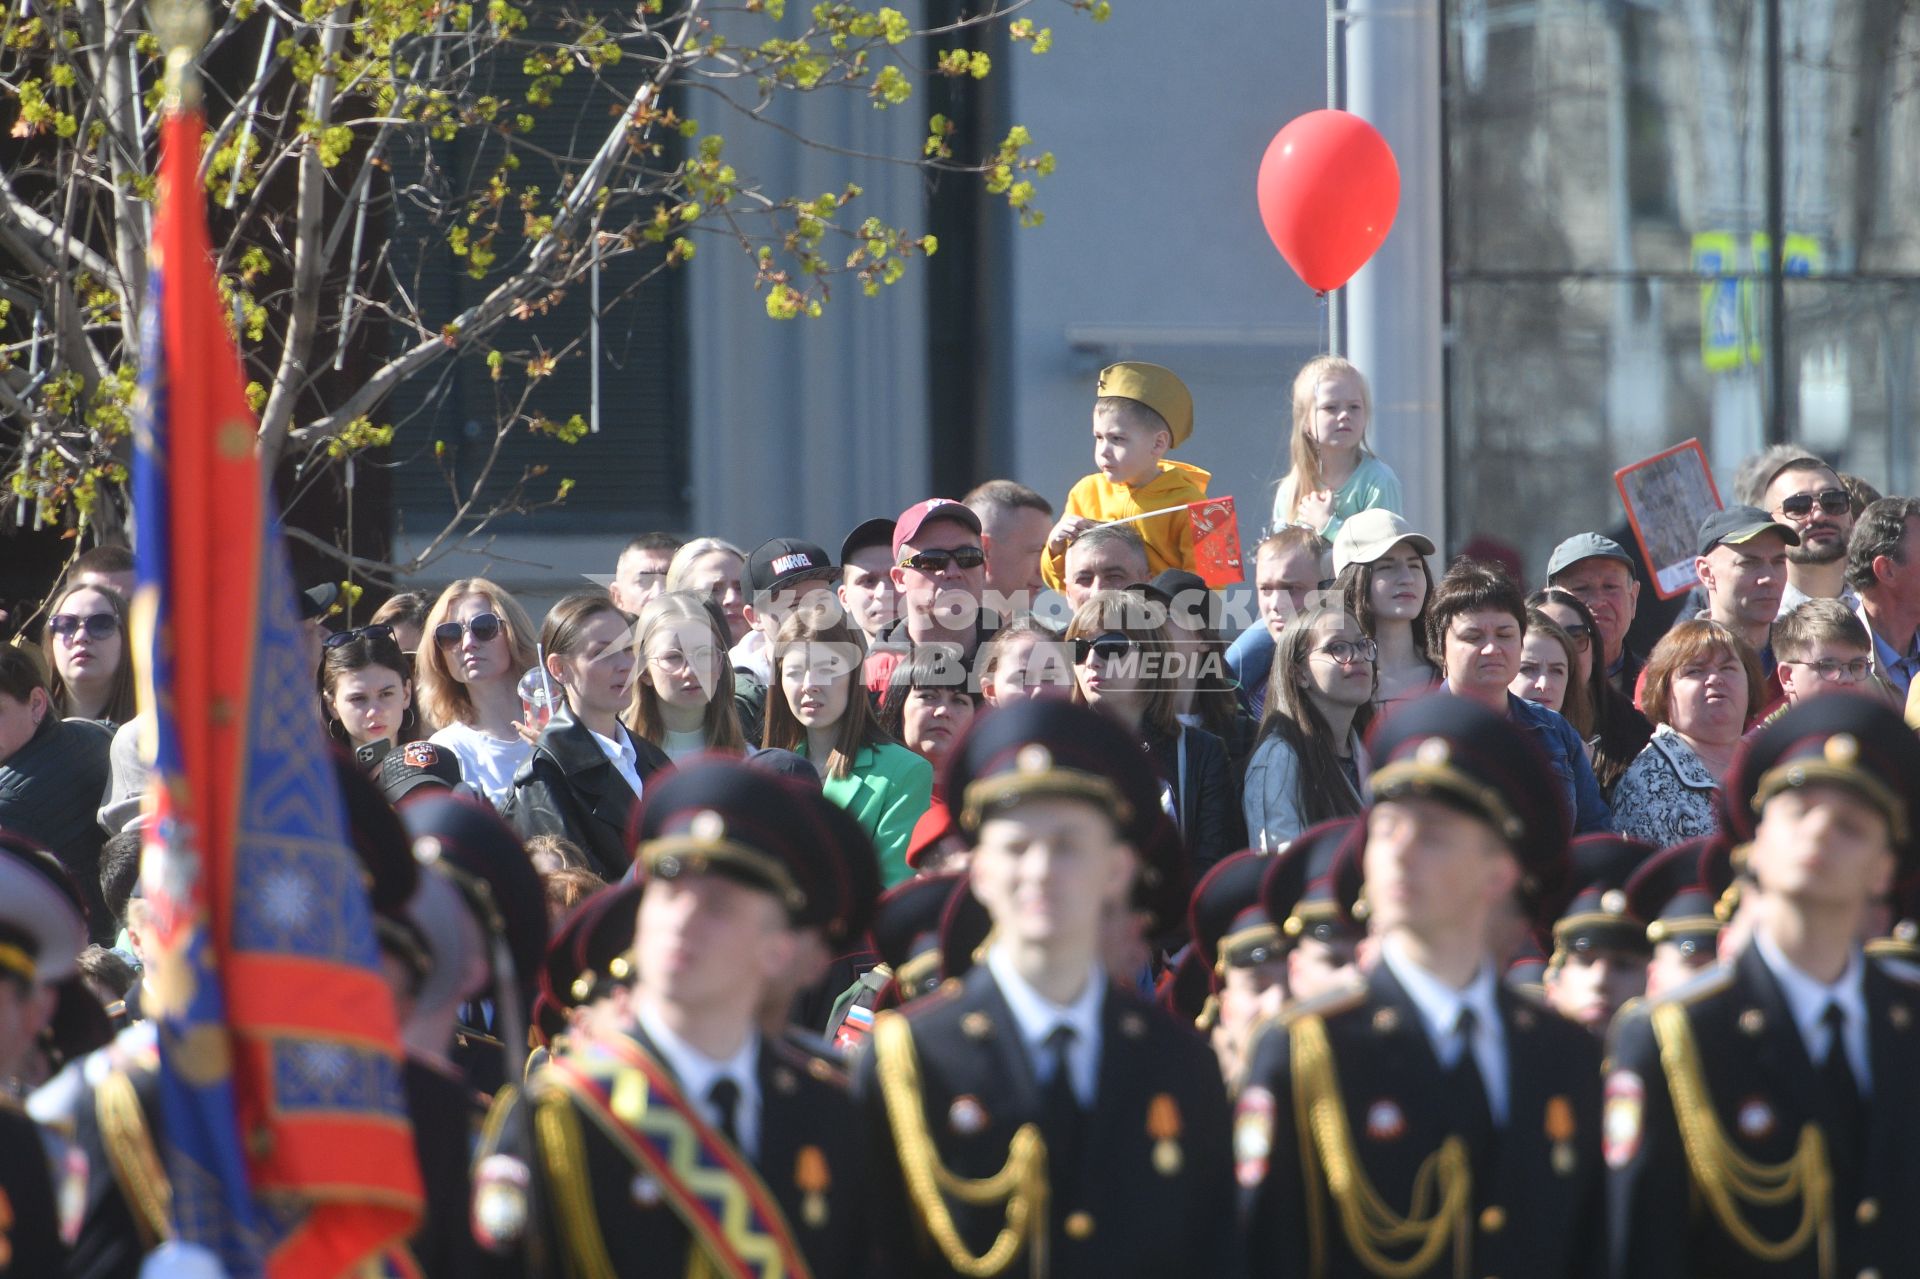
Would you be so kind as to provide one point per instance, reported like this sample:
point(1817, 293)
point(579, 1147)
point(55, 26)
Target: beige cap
point(1160, 389)
point(1367, 536)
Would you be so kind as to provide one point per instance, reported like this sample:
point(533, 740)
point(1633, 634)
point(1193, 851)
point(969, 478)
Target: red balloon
point(1329, 188)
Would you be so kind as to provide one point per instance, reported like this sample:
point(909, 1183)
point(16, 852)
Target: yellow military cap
point(1160, 389)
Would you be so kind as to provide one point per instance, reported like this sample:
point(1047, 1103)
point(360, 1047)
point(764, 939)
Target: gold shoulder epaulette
point(1901, 969)
point(1337, 1000)
point(1711, 982)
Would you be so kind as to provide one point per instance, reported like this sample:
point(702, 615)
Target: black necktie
point(1470, 1090)
point(724, 1097)
point(1842, 1089)
point(1060, 1111)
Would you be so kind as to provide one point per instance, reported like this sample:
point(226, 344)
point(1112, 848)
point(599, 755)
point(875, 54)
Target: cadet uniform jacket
point(1535, 1206)
point(1152, 1195)
point(607, 1205)
point(1752, 1093)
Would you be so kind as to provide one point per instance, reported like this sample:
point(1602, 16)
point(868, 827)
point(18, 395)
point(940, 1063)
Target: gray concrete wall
point(1153, 247)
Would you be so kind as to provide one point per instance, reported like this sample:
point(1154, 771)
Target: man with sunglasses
point(1806, 495)
point(940, 570)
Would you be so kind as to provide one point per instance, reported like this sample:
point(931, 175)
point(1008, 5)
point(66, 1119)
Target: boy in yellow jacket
point(1142, 413)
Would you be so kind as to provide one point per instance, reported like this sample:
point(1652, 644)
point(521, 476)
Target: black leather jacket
point(571, 789)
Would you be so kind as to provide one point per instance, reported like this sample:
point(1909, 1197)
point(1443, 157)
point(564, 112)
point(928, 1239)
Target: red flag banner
point(283, 1116)
point(1216, 541)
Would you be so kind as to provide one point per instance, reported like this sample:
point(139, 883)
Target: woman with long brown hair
point(1124, 667)
point(1309, 766)
point(587, 772)
point(817, 708)
point(88, 660)
point(683, 687)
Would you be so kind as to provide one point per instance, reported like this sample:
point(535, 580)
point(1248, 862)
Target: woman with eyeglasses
point(1309, 766)
point(1380, 570)
point(477, 642)
point(89, 666)
point(588, 773)
point(1124, 667)
point(817, 708)
point(365, 689)
point(1616, 731)
point(683, 693)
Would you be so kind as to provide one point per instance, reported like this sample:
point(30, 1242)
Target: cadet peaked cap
point(1462, 754)
point(1054, 748)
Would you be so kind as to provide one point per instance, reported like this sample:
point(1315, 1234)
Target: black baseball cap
point(783, 561)
point(1736, 525)
point(877, 531)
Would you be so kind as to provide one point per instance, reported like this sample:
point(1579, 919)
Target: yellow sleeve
point(1083, 501)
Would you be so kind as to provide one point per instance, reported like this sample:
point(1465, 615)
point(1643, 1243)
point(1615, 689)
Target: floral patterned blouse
point(1666, 795)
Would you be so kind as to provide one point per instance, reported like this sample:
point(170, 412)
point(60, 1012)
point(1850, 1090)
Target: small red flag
point(1216, 541)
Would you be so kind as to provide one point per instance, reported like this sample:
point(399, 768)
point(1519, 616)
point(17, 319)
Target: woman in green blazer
point(817, 707)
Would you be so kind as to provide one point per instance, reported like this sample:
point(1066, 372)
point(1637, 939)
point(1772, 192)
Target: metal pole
point(1777, 426)
point(1394, 312)
point(1336, 298)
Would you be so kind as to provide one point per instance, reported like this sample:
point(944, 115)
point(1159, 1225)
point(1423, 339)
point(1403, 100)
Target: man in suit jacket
point(688, 1141)
point(1034, 1117)
point(1761, 1120)
point(1454, 1122)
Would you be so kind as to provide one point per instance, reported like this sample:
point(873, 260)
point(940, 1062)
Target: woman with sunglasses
point(683, 692)
point(84, 645)
point(1124, 667)
point(365, 690)
point(817, 708)
point(1616, 731)
point(476, 644)
point(1310, 766)
point(588, 772)
point(1380, 570)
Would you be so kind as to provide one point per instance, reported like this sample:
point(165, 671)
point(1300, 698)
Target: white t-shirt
point(679, 746)
point(487, 763)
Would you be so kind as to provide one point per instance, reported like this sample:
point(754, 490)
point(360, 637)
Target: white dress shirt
point(1036, 1016)
point(1807, 1002)
point(697, 1073)
point(1439, 1007)
point(625, 759)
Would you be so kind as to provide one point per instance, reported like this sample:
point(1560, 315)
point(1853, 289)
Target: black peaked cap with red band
point(1312, 884)
point(1052, 748)
point(1839, 739)
point(1461, 754)
point(1676, 894)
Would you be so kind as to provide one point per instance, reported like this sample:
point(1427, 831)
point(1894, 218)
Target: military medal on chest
point(1163, 1127)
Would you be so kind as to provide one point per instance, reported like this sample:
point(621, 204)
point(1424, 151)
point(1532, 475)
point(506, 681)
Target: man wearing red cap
point(940, 570)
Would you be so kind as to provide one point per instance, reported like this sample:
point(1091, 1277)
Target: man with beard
point(1806, 495)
